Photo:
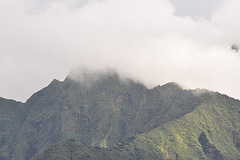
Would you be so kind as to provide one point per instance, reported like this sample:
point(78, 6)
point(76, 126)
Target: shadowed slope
point(12, 115)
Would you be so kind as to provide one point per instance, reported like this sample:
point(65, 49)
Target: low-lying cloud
point(145, 40)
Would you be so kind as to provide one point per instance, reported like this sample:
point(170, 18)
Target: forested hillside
point(113, 118)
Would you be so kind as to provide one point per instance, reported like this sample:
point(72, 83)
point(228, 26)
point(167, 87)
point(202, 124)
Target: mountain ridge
point(173, 139)
point(106, 113)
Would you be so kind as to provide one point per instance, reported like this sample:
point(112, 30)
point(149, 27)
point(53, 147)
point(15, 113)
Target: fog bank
point(144, 40)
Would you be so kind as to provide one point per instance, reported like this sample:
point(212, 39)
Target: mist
point(145, 40)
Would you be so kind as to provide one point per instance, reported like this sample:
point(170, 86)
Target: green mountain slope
point(12, 115)
point(211, 131)
point(108, 111)
point(102, 113)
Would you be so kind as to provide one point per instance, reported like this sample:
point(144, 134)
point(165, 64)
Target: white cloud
point(145, 40)
point(226, 20)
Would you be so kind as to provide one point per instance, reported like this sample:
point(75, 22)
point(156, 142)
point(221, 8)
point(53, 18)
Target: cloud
point(195, 8)
point(226, 20)
point(144, 40)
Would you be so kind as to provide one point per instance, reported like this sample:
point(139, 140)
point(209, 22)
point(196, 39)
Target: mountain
point(101, 116)
point(11, 117)
point(211, 131)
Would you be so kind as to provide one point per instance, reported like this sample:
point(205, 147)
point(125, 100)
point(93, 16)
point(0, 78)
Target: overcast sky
point(153, 41)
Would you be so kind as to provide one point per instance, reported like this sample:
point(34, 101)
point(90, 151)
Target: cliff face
point(108, 112)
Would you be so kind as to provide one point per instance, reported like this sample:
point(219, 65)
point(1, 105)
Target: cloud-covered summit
point(144, 40)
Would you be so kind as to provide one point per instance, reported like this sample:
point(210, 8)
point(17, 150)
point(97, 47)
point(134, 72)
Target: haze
point(153, 41)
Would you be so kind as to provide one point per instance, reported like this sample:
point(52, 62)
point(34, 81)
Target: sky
point(154, 42)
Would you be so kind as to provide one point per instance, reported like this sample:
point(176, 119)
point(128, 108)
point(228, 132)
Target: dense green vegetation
point(211, 131)
point(110, 118)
